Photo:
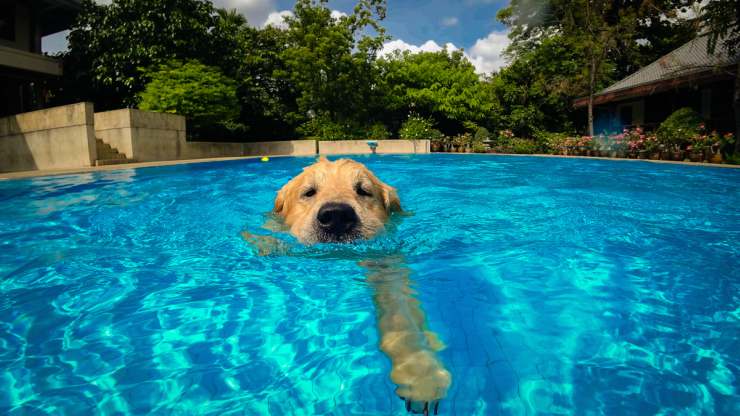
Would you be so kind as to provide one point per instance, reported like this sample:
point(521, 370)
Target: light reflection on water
point(559, 286)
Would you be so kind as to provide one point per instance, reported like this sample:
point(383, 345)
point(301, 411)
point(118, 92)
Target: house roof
point(690, 58)
point(57, 15)
point(689, 62)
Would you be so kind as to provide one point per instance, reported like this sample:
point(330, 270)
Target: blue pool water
point(560, 286)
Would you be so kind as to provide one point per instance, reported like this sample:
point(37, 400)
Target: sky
point(415, 25)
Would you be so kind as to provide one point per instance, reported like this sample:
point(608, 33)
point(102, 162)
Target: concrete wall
point(55, 138)
point(146, 136)
point(350, 147)
point(64, 138)
point(142, 135)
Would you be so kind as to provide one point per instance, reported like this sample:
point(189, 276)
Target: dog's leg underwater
point(420, 375)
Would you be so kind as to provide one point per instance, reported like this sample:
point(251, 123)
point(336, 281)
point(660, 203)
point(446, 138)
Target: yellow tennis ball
point(265, 159)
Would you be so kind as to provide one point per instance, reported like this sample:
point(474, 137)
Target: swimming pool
point(560, 286)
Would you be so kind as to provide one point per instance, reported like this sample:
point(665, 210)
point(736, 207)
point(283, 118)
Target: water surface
point(561, 286)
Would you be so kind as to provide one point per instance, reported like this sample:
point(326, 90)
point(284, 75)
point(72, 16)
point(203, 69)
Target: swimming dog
point(343, 201)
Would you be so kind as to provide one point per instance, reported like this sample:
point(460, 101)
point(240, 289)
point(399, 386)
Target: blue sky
point(414, 25)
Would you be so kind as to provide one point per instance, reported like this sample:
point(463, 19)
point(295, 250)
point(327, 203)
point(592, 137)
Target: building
point(23, 67)
point(686, 77)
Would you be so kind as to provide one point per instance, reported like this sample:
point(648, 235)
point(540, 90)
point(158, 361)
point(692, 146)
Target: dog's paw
point(421, 378)
point(265, 245)
point(425, 408)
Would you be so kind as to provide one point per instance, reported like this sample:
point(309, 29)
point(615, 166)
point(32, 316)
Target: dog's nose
point(337, 218)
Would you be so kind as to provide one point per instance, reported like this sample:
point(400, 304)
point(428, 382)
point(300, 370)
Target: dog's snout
point(337, 218)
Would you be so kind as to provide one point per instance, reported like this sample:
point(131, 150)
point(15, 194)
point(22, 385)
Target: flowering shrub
point(679, 128)
point(572, 145)
point(505, 135)
point(418, 128)
point(713, 141)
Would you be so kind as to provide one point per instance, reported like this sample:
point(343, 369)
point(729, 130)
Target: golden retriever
point(335, 202)
point(342, 201)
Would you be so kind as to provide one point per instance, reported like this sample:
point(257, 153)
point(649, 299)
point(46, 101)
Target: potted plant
point(718, 143)
point(696, 153)
point(436, 145)
point(652, 148)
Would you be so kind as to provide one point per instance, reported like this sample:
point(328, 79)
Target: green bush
point(418, 128)
point(199, 92)
point(553, 143)
point(323, 128)
point(378, 131)
point(481, 134)
point(522, 146)
point(680, 127)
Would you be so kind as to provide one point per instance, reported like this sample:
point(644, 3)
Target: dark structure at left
point(23, 67)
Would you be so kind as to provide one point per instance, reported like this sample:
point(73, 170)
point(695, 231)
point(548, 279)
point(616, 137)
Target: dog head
point(336, 201)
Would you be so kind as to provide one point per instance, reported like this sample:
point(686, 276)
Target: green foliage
point(201, 93)
point(479, 148)
point(330, 62)
point(679, 127)
point(481, 134)
point(601, 37)
point(322, 128)
point(418, 128)
point(378, 131)
point(523, 146)
point(108, 44)
point(552, 142)
point(441, 84)
point(536, 90)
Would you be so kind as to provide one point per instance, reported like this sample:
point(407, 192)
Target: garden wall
point(143, 136)
point(146, 137)
point(353, 147)
point(54, 138)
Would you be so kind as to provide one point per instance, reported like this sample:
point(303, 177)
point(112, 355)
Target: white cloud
point(256, 11)
point(336, 14)
point(450, 21)
point(400, 45)
point(485, 55)
point(277, 19)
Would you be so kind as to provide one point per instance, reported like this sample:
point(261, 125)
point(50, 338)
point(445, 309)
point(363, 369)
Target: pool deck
point(37, 173)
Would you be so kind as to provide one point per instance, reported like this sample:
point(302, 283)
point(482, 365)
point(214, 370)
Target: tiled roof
point(690, 58)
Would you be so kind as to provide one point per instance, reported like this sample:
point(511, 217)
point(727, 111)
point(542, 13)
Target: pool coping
point(136, 165)
point(122, 166)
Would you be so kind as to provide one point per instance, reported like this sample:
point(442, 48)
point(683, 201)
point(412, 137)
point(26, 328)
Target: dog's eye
point(309, 193)
point(361, 191)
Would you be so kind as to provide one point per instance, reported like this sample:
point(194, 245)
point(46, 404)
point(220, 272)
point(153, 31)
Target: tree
point(109, 45)
point(266, 92)
point(721, 20)
point(201, 93)
point(330, 61)
point(605, 32)
point(536, 89)
point(442, 85)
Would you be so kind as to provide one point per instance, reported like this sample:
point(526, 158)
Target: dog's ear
point(322, 158)
point(279, 201)
point(390, 199)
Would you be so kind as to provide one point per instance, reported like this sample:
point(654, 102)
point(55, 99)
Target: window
point(625, 115)
point(7, 20)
